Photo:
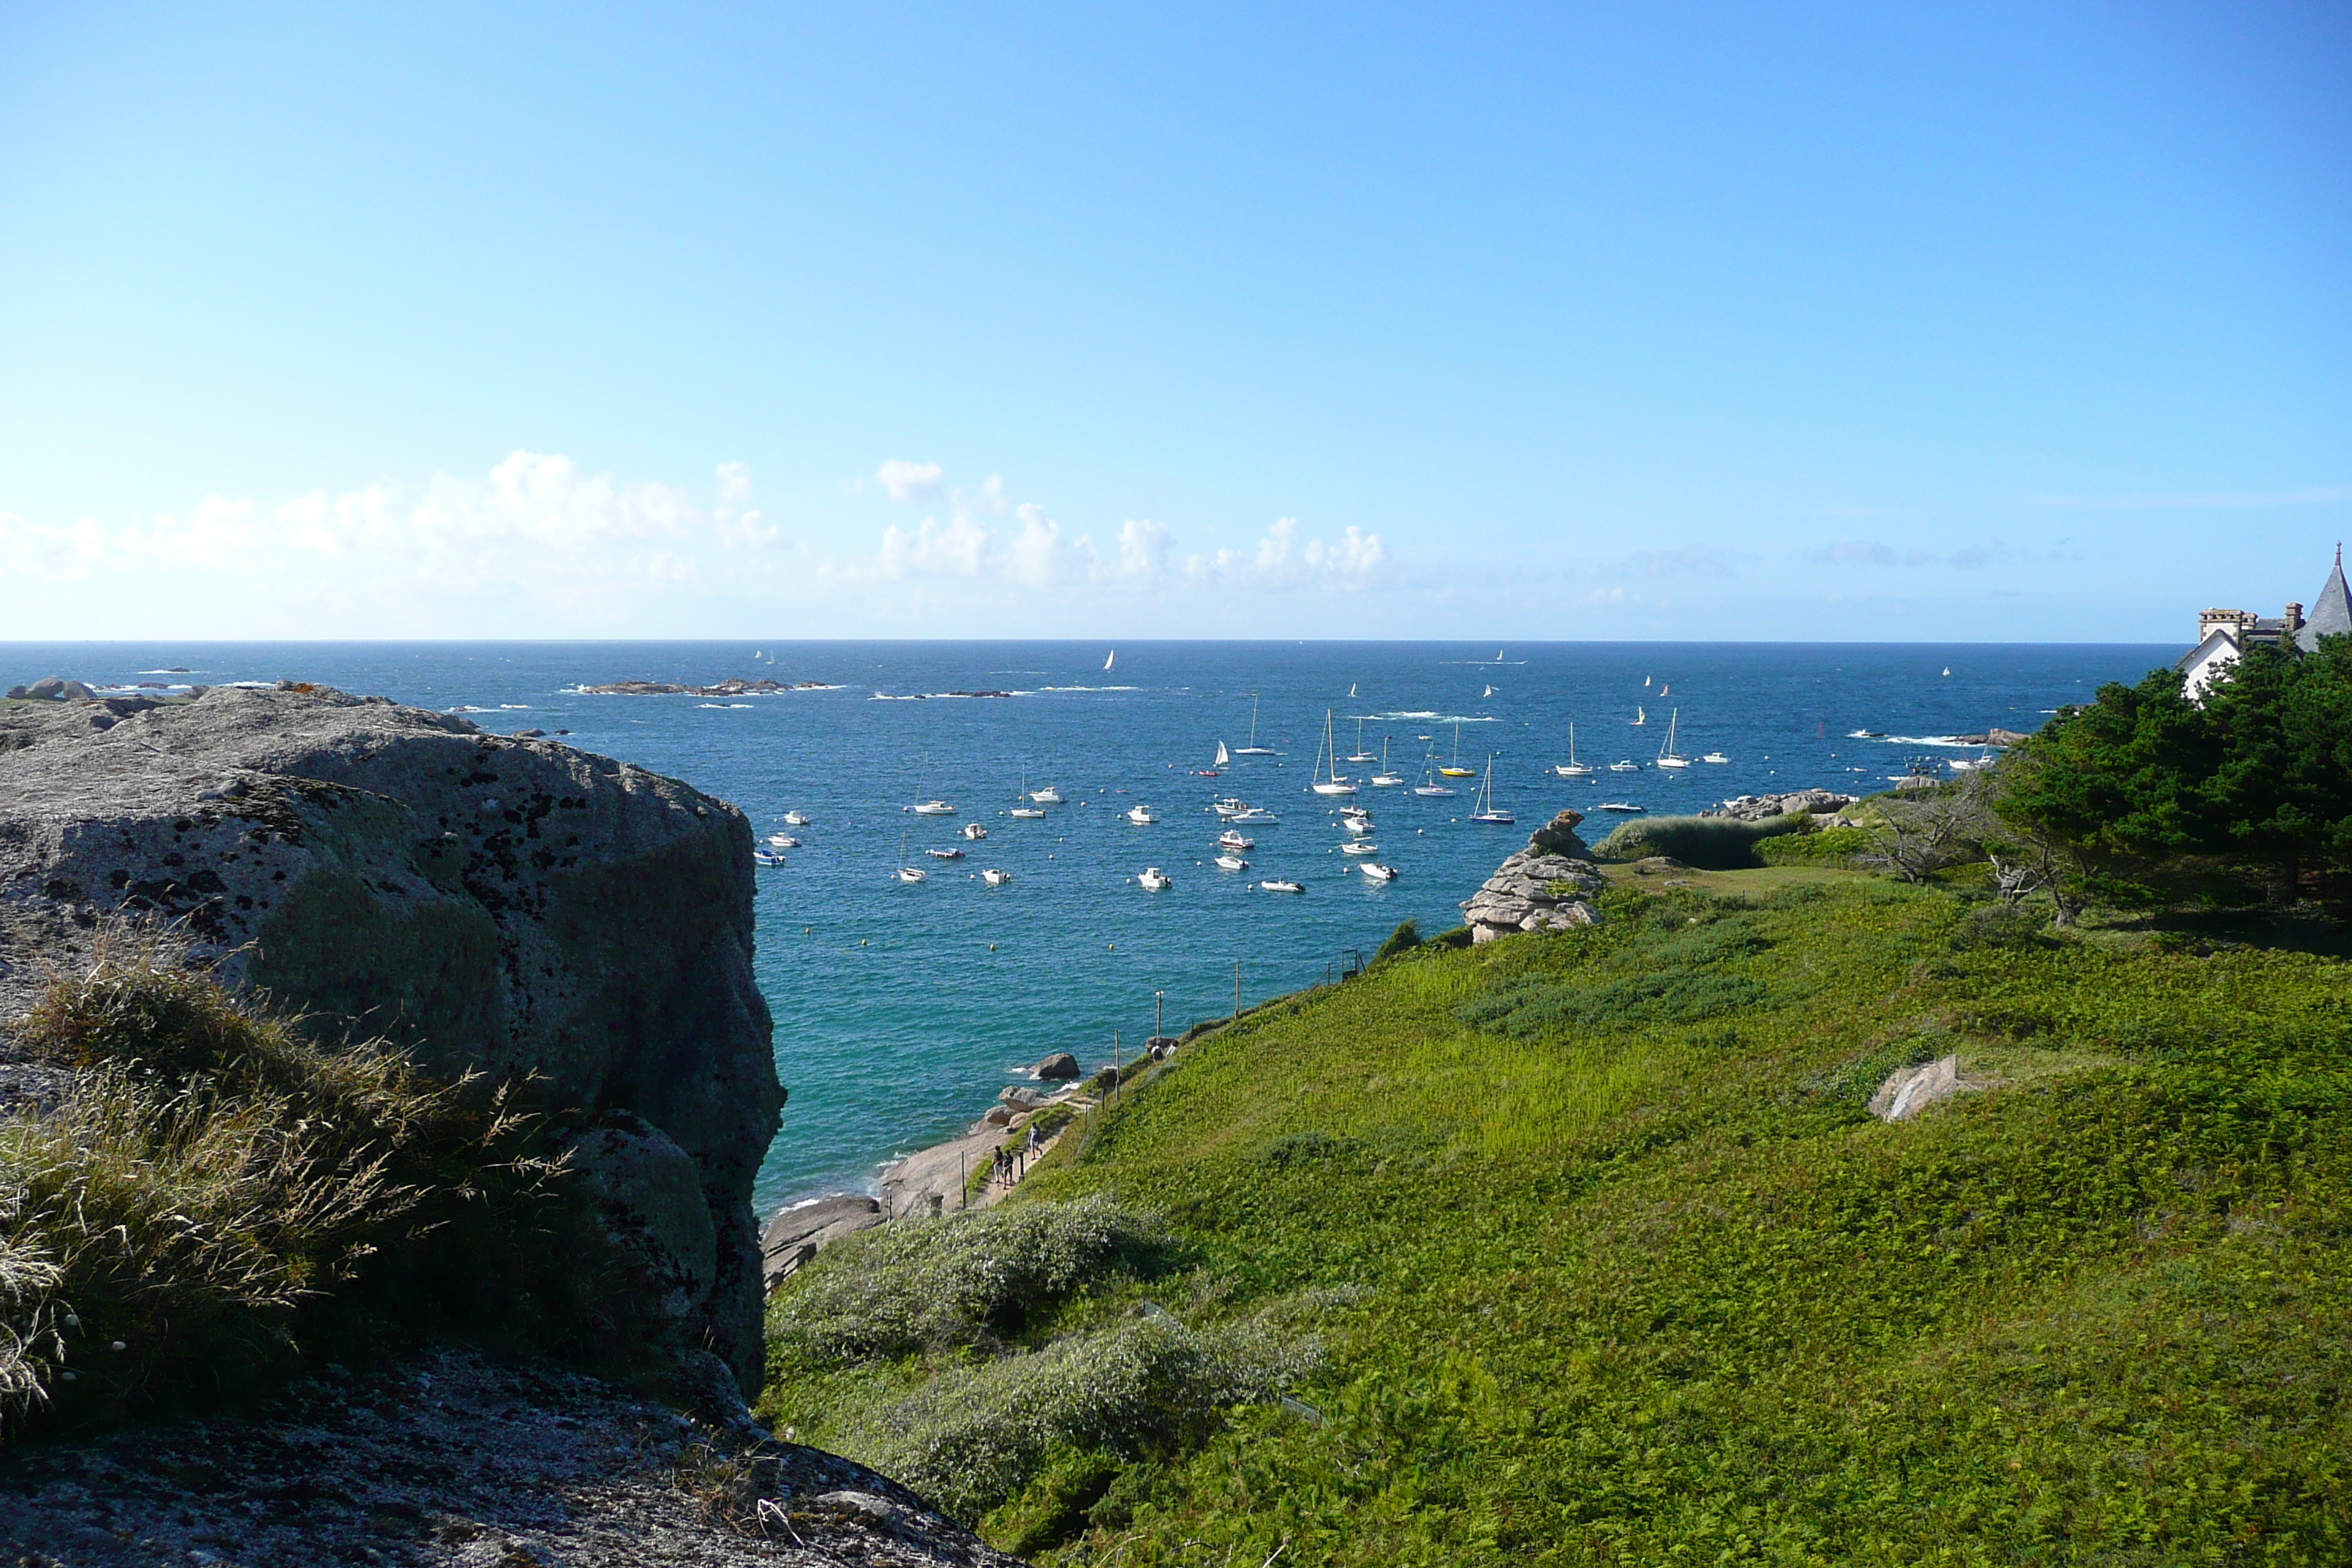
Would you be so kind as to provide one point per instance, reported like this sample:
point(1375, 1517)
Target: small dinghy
point(1283, 885)
point(1154, 879)
point(1232, 862)
point(944, 854)
point(974, 831)
point(796, 819)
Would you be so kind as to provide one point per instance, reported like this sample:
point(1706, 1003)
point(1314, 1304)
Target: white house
point(2223, 634)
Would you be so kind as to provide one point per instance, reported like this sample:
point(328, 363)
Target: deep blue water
point(901, 1011)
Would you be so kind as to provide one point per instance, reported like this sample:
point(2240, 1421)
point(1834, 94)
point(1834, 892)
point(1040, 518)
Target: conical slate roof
point(2332, 614)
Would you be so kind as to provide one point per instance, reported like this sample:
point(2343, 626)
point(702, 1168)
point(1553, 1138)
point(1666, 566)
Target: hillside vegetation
point(1585, 1248)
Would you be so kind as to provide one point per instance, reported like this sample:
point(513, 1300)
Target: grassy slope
point(1640, 1290)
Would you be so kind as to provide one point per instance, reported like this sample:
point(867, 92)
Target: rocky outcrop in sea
point(1544, 886)
point(1765, 807)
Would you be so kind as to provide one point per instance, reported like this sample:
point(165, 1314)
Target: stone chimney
point(2294, 619)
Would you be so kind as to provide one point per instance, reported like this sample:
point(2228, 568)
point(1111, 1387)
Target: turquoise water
point(901, 1011)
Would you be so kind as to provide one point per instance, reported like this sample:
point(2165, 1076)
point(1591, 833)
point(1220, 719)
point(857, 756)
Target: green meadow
point(1586, 1248)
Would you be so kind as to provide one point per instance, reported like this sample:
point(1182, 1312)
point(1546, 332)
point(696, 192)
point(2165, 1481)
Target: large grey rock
point(1544, 888)
point(1060, 1065)
point(511, 907)
point(795, 1234)
point(1907, 1091)
point(1765, 807)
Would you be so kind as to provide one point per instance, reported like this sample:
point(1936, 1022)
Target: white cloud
point(905, 481)
point(2318, 495)
point(1286, 558)
point(739, 527)
point(958, 549)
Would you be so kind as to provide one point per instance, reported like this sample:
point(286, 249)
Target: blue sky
point(1970, 321)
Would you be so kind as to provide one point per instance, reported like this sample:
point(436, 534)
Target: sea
point(902, 1010)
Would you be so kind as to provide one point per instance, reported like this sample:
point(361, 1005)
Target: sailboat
point(1667, 756)
point(1021, 806)
point(1216, 769)
point(1110, 658)
point(1487, 812)
point(1359, 754)
point(1385, 778)
point(1664, 689)
point(1640, 717)
point(1351, 689)
point(1253, 749)
point(1488, 692)
point(1454, 770)
point(909, 873)
point(1331, 783)
point(1429, 784)
point(1572, 769)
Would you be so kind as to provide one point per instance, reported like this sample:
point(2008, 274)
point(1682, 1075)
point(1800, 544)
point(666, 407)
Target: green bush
point(1404, 939)
point(222, 1194)
point(974, 1435)
point(962, 1280)
point(1709, 843)
point(1825, 846)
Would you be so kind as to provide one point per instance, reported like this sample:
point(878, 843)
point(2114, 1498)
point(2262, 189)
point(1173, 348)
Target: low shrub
point(222, 1194)
point(1708, 843)
point(972, 1436)
point(1404, 939)
point(961, 1280)
point(1534, 1009)
point(1825, 846)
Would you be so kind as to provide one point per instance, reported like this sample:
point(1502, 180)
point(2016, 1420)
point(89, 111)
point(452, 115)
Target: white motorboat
point(1283, 885)
point(1253, 749)
point(796, 819)
point(1155, 881)
point(932, 808)
point(1622, 807)
point(1252, 813)
point(1488, 813)
point(1027, 812)
point(1329, 783)
point(909, 873)
point(1454, 770)
point(1231, 862)
point(783, 841)
point(1715, 757)
point(1142, 815)
point(766, 858)
point(1359, 846)
point(974, 831)
point(944, 854)
point(995, 878)
point(1356, 824)
point(1229, 839)
point(1572, 769)
point(1380, 873)
point(1049, 796)
point(1667, 756)
point(1229, 805)
point(1971, 764)
point(1624, 766)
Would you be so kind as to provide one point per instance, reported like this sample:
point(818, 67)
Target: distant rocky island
point(729, 687)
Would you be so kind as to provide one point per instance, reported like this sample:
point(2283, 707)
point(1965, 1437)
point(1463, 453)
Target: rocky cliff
point(501, 905)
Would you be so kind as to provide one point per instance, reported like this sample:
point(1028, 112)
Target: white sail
point(1224, 757)
point(1109, 657)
